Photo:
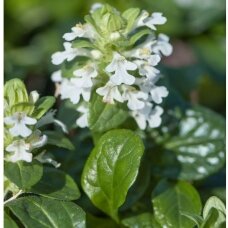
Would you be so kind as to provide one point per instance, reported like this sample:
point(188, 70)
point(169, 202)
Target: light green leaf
point(213, 202)
point(15, 92)
point(194, 149)
point(39, 212)
point(130, 15)
point(56, 184)
point(197, 219)
point(171, 199)
point(58, 139)
point(43, 105)
point(82, 44)
point(8, 222)
point(23, 174)
point(103, 116)
point(143, 220)
point(134, 38)
point(27, 108)
point(111, 169)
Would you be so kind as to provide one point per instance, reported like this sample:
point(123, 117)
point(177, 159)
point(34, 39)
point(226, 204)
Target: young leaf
point(23, 174)
point(103, 116)
point(56, 184)
point(8, 222)
point(82, 44)
point(111, 169)
point(39, 212)
point(130, 15)
point(196, 148)
point(134, 38)
point(171, 199)
point(15, 92)
point(43, 105)
point(58, 139)
point(142, 220)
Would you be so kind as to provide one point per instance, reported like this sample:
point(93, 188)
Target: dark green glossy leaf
point(171, 199)
point(23, 174)
point(194, 149)
point(95, 222)
point(39, 212)
point(103, 116)
point(8, 222)
point(111, 169)
point(58, 139)
point(197, 219)
point(145, 220)
point(56, 184)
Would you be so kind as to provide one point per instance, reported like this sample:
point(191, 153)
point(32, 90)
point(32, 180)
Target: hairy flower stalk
point(114, 55)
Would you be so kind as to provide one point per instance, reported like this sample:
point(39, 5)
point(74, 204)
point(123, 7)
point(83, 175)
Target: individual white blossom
point(95, 6)
point(70, 90)
point(120, 65)
point(154, 19)
point(19, 120)
point(56, 76)
point(68, 54)
point(34, 96)
point(150, 21)
point(84, 76)
point(162, 45)
point(82, 121)
point(158, 92)
point(135, 98)
point(36, 140)
point(110, 92)
point(79, 30)
point(20, 151)
point(148, 115)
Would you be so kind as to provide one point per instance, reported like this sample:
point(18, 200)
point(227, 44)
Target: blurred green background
point(34, 29)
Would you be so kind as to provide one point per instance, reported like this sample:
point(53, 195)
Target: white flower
point(157, 93)
point(155, 117)
point(96, 54)
point(82, 121)
point(20, 120)
point(56, 76)
point(154, 19)
point(110, 93)
point(20, 150)
point(79, 30)
point(69, 54)
point(70, 90)
point(134, 97)
point(147, 114)
point(119, 66)
point(86, 74)
point(36, 140)
point(162, 45)
point(34, 96)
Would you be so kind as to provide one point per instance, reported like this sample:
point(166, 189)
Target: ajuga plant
point(140, 155)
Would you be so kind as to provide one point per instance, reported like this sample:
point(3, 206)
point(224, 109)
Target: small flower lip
point(19, 120)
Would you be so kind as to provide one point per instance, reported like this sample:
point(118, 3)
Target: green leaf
point(213, 202)
point(215, 219)
point(43, 105)
point(111, 169)
point(56, 184)
point(82, 44)
point(171, 199)
point(58, 139)
point(39, 212)
point(197, 219)
point(8, 222)
point(192, 150)
point(95, 222)
point(103, 116)
point(28, 108)
point(134, 38)
point(23, 174)
point(15, 92)
point(142, 220)
point(130, 15)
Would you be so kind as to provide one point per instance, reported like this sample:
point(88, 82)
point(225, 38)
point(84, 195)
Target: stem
point(13, 197)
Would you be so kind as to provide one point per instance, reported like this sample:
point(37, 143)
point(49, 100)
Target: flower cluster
point(21, 133)
point(114, 55)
